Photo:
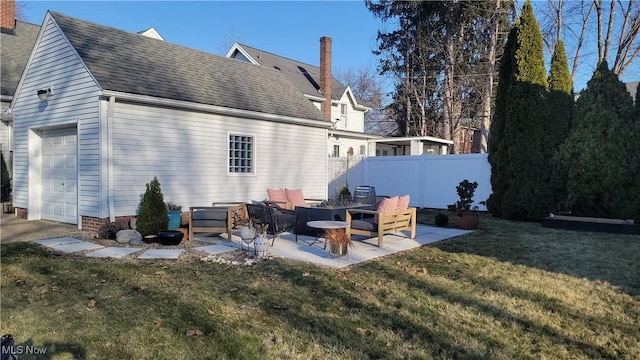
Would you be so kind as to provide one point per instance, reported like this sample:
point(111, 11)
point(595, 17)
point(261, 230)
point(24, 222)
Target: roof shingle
point(132, 63)
point(15, 49)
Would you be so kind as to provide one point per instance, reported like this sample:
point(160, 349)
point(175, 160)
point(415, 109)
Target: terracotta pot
point(468, 220)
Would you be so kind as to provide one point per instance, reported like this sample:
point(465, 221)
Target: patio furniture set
point(287, 210)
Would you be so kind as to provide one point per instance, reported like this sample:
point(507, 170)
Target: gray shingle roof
point(132, 63)
point(15, 49)
point(304, 76)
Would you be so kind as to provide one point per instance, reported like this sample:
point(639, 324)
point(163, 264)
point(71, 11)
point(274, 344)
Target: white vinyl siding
point(74, 103)
point(187, 151)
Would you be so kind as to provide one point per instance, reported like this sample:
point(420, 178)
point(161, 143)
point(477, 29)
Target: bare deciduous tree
point(367, 86)
point(615, 23)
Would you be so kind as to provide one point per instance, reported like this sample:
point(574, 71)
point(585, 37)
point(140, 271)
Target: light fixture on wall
point(44, 94)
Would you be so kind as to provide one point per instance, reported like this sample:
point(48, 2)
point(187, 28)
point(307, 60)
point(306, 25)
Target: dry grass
point(509, 291)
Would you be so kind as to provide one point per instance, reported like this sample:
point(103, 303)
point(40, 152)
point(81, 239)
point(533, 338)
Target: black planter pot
point(170, 237)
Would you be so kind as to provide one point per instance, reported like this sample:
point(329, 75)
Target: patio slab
point(69, 245)
point(112, 252)
point(215, 249)
point(285, 246)
point(363, 248)
point(57, 241)
point(161, 254)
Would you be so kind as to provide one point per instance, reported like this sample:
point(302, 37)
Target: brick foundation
point(92, 224)
point(22, 213)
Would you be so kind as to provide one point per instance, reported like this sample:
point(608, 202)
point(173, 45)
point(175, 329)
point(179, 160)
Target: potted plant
point(338, 242)
point(468, 218)
point(153, 211)
point(174, 212)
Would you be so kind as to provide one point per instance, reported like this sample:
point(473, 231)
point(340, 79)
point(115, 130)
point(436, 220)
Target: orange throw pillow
point(295, 198)
point(387, 204)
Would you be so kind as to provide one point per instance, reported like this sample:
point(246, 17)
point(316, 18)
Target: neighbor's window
point(363, 150)
point(343, 114)
point(241, 154)
point(336, 150)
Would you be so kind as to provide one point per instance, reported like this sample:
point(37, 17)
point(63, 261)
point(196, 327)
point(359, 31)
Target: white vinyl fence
point(430, 180)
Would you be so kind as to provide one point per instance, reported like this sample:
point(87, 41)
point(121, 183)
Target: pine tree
point(518, 192)
point(153, 211)
point(601, 153)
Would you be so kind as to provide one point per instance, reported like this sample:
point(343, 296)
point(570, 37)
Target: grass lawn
point(509, 291)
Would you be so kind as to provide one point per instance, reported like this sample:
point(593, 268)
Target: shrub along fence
point(430, 180)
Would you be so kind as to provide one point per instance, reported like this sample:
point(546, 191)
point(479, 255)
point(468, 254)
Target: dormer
point(152, 33)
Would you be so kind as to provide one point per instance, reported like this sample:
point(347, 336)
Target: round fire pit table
point(333, 230)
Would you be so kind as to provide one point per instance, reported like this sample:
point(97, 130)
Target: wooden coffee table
point(332, 228)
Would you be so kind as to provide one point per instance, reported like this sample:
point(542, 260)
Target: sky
point(287, 28)
point(290, 28)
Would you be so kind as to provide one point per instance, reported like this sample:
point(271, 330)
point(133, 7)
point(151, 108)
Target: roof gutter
point(144, 99)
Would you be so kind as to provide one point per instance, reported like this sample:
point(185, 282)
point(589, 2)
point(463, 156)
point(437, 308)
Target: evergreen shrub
point(153, 215)
point(344, 193)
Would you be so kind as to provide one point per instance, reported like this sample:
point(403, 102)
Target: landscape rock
point(125, 237)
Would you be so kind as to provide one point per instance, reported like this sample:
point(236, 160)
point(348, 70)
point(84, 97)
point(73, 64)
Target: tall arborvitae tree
point(518, 190)
point(602, 153)
point(497, 151)
point(560, 112)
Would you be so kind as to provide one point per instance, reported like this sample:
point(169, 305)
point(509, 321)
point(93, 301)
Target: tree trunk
point(485, 125)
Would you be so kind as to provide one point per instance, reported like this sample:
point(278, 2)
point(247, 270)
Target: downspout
point(112, 101)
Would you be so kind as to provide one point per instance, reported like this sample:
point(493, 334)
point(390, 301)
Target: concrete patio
point(306, 249)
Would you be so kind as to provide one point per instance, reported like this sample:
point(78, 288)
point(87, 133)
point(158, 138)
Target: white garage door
point(60, 175)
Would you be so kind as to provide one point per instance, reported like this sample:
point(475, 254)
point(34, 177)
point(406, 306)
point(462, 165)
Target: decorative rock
point(125, 236)
point(135, 241)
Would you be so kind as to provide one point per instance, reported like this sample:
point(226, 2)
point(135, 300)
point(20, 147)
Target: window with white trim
point(343, 114)
point(241, 154)
point(363, 150)
point(336, 150)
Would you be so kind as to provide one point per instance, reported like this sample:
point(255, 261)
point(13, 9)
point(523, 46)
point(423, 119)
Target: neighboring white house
point(16, 41)
point(347, 112)
point(98, 112)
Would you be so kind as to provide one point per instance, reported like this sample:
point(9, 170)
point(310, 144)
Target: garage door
point(60, 175)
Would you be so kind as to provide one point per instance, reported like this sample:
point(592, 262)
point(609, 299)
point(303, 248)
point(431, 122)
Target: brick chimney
point(325, 75)
point(8, 14)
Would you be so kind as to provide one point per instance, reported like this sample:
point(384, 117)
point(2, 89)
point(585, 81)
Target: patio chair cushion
point(295, 198)
point(368, 224)
point(403, 202)
point(387, 204)
point(278, 197)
